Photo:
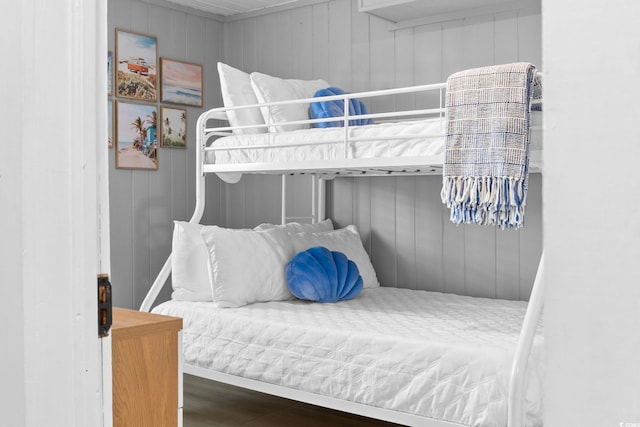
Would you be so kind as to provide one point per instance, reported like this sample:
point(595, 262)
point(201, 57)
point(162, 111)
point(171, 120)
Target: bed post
point(314, 199)
point(283, 200)
point(515, 412)
point(322, 194)
point(163, 275)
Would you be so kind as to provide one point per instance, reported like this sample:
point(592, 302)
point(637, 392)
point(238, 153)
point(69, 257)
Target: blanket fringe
point(483, 200)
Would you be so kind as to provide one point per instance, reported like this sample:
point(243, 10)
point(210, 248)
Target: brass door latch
point(104, 305)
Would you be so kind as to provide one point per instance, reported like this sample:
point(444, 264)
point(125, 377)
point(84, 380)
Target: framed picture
point(110, 123)
point(136, 136)
point(173, 127)
point(181, 82)
point(109, 73)
point(136, 66)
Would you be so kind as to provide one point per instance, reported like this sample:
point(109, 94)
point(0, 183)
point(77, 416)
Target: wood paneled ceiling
point(391, 10)
point(231, 7)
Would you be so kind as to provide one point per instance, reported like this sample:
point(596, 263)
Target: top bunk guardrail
point(331, 151)
point(409, 141)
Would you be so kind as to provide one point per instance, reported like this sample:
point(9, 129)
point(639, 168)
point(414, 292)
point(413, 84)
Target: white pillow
point(247, 265)
point(300, 227)
point(345, 240)
point(189, 264)
point(271, 89)
point(237, 91)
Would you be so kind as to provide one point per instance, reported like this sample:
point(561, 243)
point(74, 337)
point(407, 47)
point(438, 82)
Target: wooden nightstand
point(146, 354)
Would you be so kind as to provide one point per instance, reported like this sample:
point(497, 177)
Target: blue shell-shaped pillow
point(326, 109)
point(321, 275)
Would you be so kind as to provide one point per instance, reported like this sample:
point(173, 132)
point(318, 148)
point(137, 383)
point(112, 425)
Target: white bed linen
point(439, 355)
point(406, 139)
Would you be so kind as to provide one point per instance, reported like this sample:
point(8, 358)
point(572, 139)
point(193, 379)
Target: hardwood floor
point(209, 403)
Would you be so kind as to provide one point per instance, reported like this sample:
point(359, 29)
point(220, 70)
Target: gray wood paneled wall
point(403, 224)
point(143, 204)
point(412, 244)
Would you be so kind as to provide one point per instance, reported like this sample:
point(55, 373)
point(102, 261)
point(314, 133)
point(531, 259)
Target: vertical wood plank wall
point(143, 204)
point(401, 219)
point(406, 230)
point(403, 224)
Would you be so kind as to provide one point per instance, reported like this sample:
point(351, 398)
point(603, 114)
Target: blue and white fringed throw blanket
point(486, 158)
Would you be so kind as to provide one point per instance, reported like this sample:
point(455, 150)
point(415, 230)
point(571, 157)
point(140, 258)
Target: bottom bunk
point(408, 356)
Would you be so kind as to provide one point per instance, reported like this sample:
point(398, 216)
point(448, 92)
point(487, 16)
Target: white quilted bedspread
point(399, 139)
point(387, 140)
point(439, 355)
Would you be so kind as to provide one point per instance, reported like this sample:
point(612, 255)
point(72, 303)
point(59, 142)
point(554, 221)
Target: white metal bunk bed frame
point(321, 170)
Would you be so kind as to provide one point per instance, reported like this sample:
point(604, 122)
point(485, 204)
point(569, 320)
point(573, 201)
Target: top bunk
point(287, 126)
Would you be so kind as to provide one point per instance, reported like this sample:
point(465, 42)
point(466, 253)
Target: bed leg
point(322, 187)
point(283, 208)
point(314, 199)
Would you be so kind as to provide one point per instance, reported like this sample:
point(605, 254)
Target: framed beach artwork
point(136, 66)
point(181, 82)
point(173, 127)
point(110, 123)
point(136, 136)
point(109, 73)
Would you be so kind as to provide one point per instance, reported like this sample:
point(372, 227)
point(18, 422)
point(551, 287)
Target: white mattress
point(439, 355)
point(411, 138)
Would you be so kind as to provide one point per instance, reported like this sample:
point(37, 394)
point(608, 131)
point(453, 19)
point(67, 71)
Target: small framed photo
point(181, 82)
point(109, 73)
point(110, 123)
point(173, 125)
point(136, 136)
point(136, 66)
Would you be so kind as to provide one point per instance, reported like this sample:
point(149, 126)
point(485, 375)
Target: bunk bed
point(411, 357)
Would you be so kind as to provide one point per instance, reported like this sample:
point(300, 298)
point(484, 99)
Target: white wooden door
point(54, 210)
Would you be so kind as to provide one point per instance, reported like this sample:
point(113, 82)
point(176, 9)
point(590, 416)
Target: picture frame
point(110, 124)
point(136, 67)
point(109, 73)
point(181, 83)
point(136, 136)
point(173, 127)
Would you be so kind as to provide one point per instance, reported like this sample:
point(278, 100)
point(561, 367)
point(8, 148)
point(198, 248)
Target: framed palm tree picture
point(173, 127)
point(136, 136)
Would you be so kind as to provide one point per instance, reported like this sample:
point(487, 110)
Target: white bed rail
point(517, 390)
point(220, 112)
point(163, 275)
point(433, 96)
